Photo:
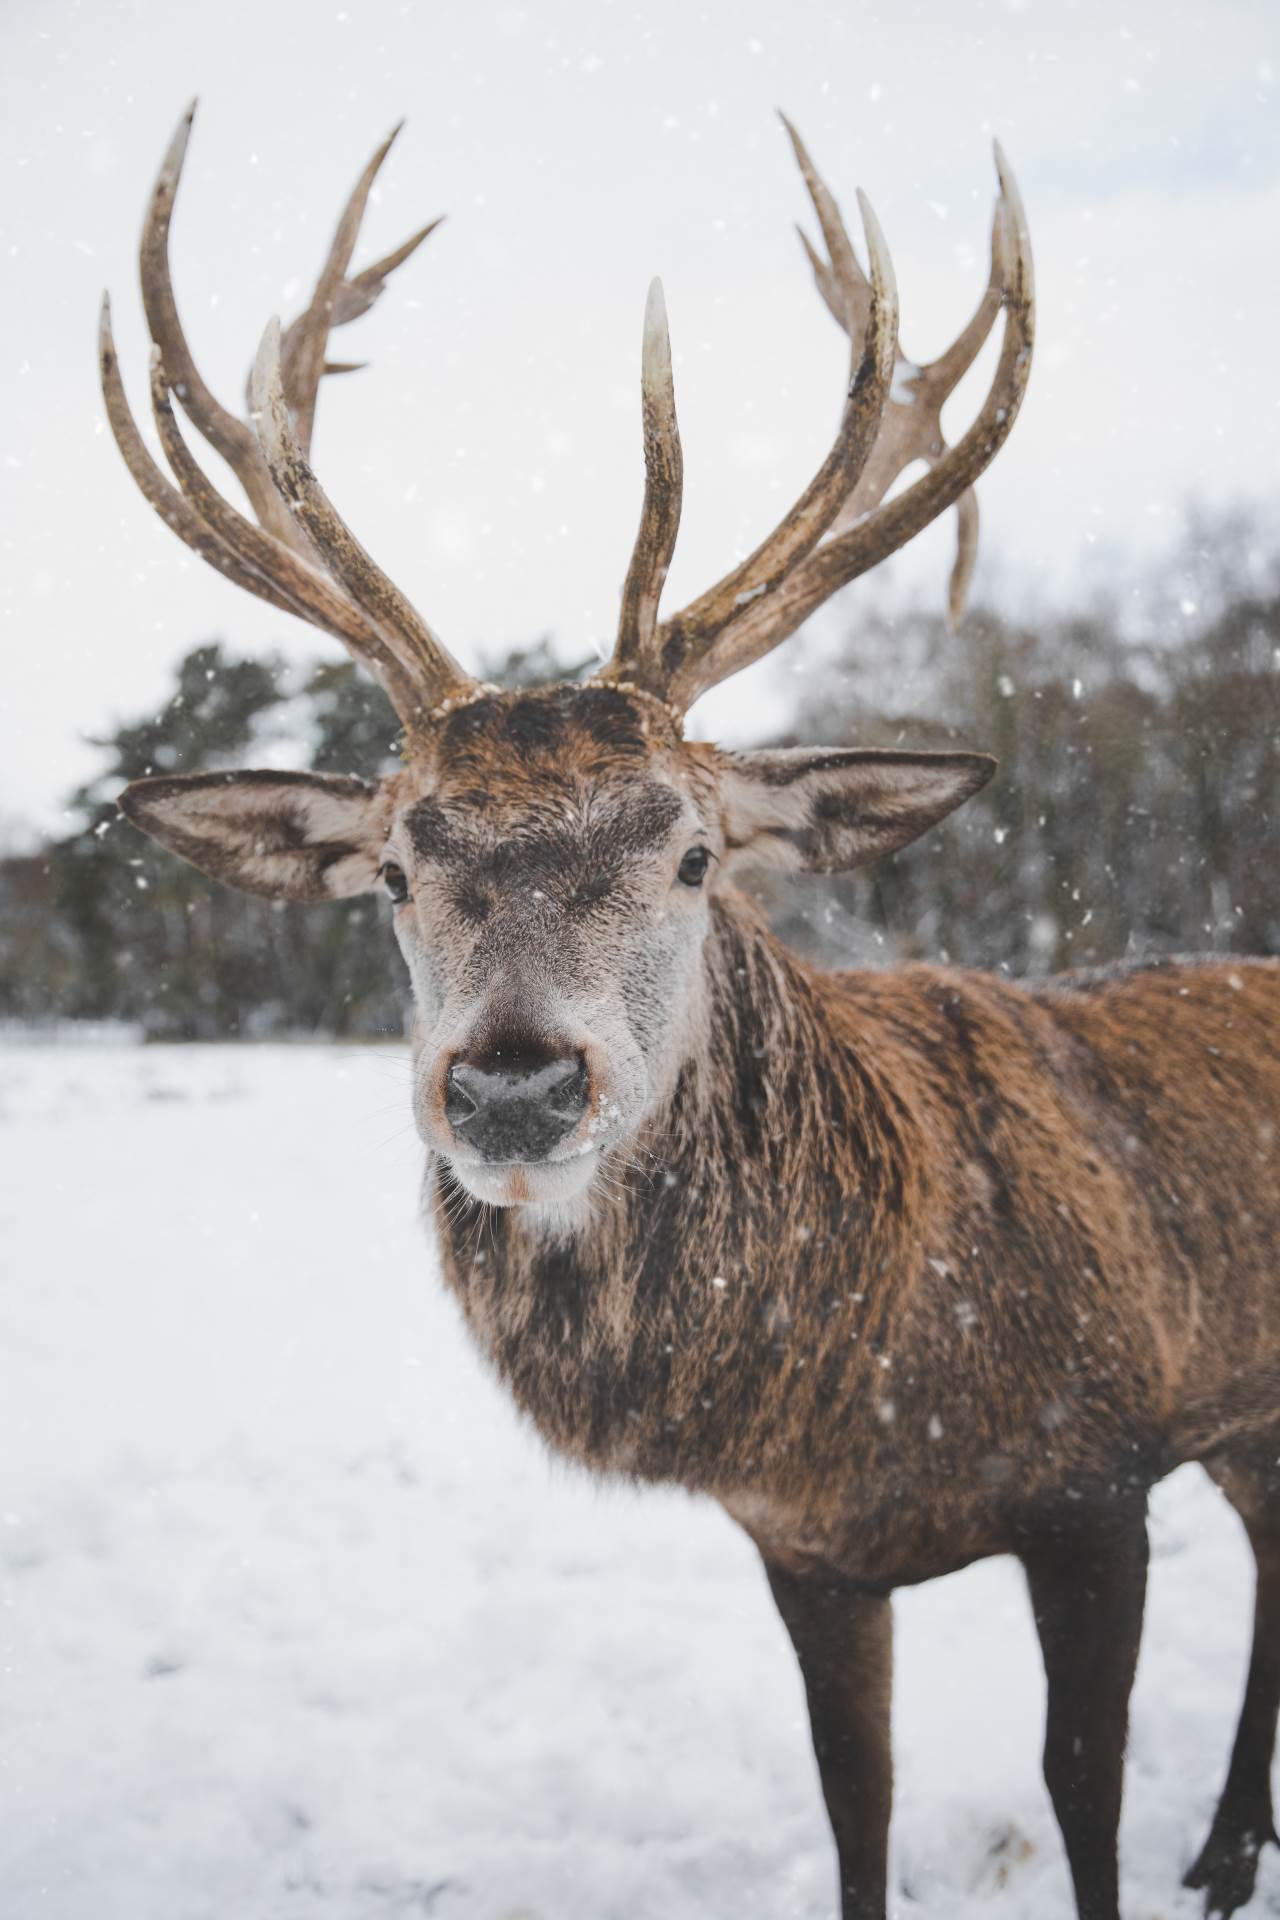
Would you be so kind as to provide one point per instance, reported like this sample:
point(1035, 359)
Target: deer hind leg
point(843, 1637)
point(1088, 1586)
point(1227, 1864)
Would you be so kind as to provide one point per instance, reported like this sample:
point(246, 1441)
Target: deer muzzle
point(515, 1108)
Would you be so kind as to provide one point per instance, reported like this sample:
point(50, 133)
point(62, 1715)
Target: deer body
point(904, 1269)
point(909, 1256)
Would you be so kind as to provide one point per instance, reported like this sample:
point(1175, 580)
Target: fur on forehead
point(598, 729)
point(525, 751)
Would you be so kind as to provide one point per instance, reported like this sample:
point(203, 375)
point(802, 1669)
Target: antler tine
point(694, 631)
point(294, 583)
point(436, 674)
point(250, 561)
point(241, 562)
point(336, 300)
point(357, 295)
point(844, 286)
point(156, 485)
point(912, 426)
point(968, 526)
point(946, 372)
point(663, 490)
point(769, 621)
point(825, 279)
point(226, 434)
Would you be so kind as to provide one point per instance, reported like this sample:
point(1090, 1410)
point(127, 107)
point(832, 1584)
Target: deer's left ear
point(284, 836)
point(826, 812)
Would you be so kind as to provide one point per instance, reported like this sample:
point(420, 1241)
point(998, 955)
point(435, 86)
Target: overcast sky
point(490, 457)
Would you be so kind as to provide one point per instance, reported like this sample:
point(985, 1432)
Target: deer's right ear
point(286, 836)
point(831, 810)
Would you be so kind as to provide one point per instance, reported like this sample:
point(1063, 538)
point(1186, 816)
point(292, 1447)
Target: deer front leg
point(1088, 1585)
point(843, 1637)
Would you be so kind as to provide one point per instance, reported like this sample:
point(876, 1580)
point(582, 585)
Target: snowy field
point(298, 1621)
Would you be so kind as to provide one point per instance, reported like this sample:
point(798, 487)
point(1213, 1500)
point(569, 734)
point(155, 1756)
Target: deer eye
point(393, 878)
point(692, 870)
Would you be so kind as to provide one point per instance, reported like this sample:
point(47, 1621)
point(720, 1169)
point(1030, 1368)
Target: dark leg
point(843, 1637)
point(1228, 1862)
point(1088, 1584)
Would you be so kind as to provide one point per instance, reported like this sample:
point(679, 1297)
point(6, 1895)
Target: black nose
point(515, 1106)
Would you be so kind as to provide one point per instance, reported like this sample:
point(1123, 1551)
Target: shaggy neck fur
point(919, 1240)
point(667, 1338)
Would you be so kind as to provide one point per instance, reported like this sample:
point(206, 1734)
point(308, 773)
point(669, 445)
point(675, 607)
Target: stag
point(904, 1268)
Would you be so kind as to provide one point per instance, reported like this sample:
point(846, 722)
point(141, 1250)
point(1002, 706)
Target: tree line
point(1134, 813)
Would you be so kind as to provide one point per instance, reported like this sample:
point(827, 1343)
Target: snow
point(297, 1620)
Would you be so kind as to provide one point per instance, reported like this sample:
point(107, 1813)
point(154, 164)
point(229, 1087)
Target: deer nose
point(513, 1107)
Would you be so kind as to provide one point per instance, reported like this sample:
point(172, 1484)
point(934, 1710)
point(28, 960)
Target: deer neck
point(634, 1340)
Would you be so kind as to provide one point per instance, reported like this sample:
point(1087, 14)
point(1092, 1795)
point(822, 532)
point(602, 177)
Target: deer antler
point(299, 556)
point(663, 488)
point(840, 527)
point(911, 428)
point(337, 300)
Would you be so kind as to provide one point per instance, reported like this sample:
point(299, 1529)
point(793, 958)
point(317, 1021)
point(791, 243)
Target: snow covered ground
point(296, 1620)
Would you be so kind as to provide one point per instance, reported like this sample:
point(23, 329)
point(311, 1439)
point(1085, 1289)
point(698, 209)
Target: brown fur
point(912, 1252)
point(911, 1268)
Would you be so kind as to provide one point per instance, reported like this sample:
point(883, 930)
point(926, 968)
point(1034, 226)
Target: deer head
point(554, 858)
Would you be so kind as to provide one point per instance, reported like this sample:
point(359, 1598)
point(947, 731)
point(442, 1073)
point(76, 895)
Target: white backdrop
point(491, 456)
